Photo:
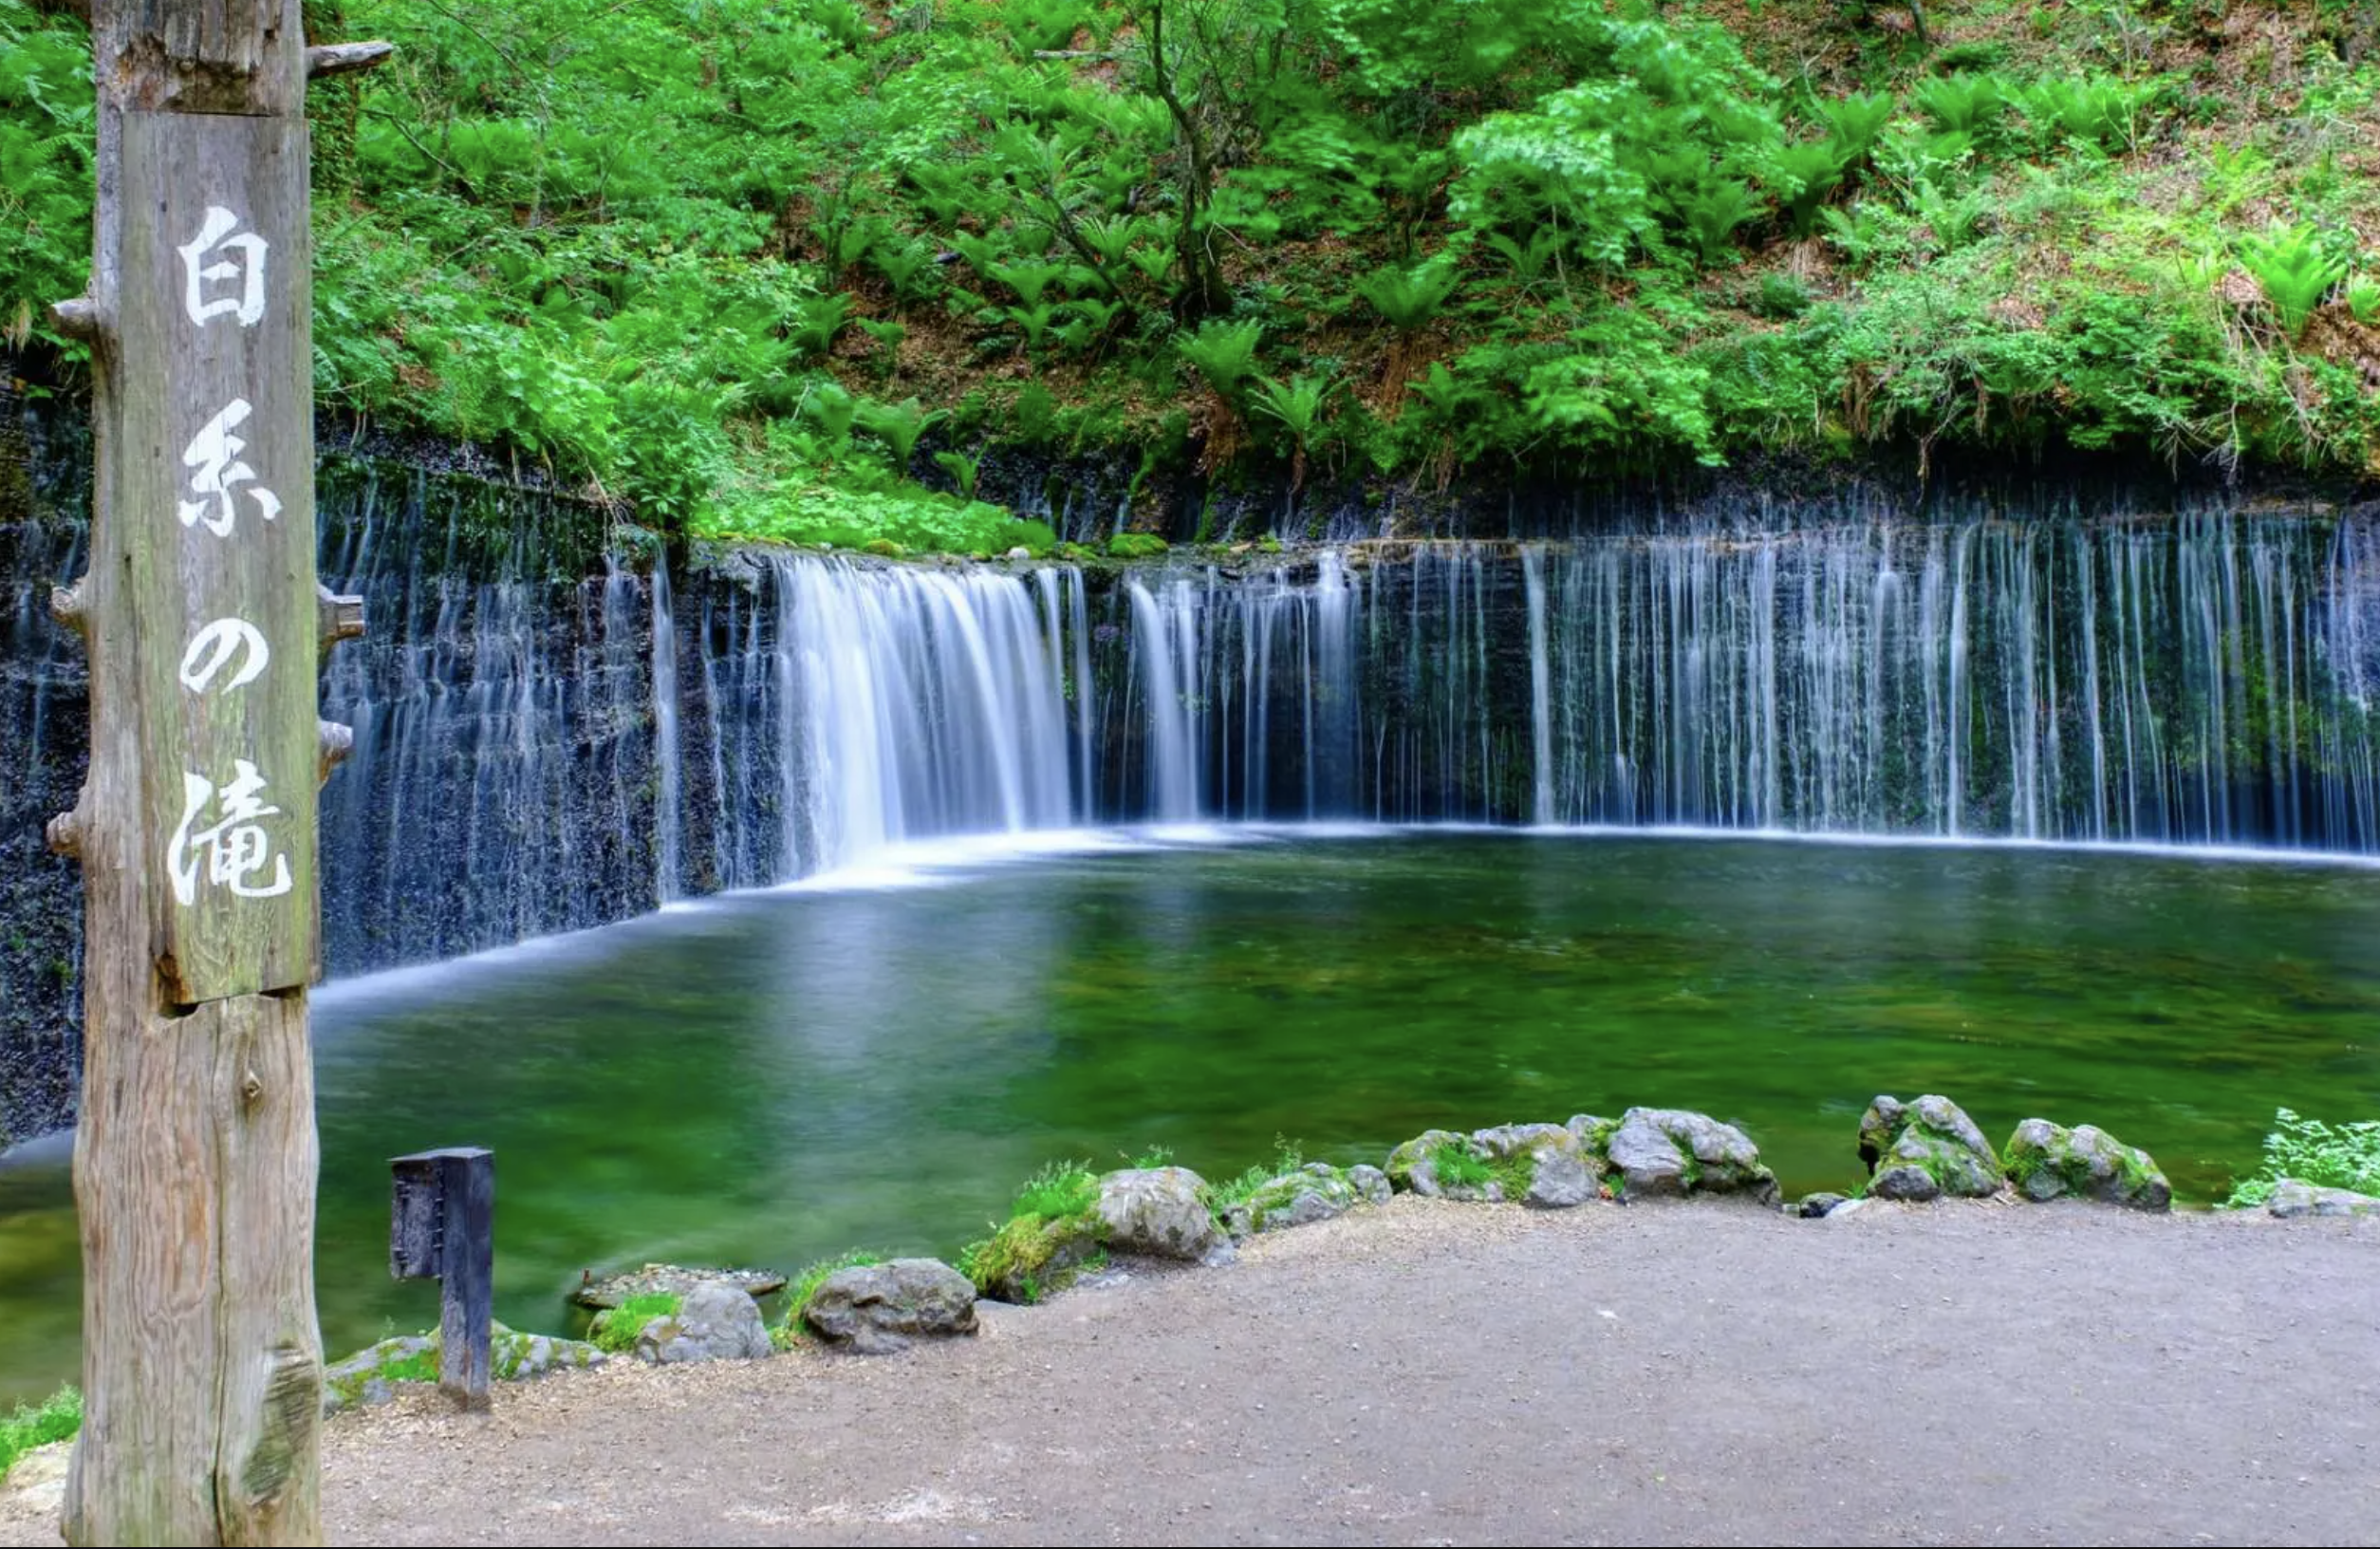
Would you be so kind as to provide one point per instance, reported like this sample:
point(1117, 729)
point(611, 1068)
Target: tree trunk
point(196, 1155)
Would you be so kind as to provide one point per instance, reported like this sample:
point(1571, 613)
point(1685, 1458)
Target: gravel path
point(1432, 1373)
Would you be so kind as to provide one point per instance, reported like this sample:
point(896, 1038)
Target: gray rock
point(1560, 1179)
point(2048, 1161)
point(670, 1279)
point(1925, 1149)
point(716, 1322)
point(1369, 1183)
point(1667, 1151)
point(2292, 1198)
point(878, 1309)
point(1158, 1211)
point(1815, 1206)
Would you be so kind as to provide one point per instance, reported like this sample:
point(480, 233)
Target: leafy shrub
point(2313, 1152)
point(1057, 1190)
point(54, 1419)
point(2363, 300)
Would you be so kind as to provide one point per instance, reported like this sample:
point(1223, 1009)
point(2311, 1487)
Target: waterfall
point(668, 753)
point(1540, 694)
point(501, 782)
point(860, 706)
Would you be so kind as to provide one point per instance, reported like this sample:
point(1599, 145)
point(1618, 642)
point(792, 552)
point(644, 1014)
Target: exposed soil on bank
point(1439, 1375)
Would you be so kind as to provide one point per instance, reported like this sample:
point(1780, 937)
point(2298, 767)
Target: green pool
point(770, 1077)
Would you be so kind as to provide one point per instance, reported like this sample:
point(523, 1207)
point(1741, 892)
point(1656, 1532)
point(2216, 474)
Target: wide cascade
point(2206, 679)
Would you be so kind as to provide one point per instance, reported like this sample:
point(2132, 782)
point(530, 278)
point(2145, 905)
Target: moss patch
point(616, 1331)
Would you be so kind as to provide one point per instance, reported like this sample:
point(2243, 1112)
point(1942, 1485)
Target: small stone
point(1559, 1181)
point(2292, 1198)
point(1816, 1206)
point(1020, 551)
point(1369, 1183)
point(875, 1309)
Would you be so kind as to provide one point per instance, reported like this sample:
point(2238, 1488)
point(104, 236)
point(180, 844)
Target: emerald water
point(768, 1078)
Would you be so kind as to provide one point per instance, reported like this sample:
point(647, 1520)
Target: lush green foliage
point(759, 268)
point(615, 1331)
point(54, 1419)
point(2313, 1152)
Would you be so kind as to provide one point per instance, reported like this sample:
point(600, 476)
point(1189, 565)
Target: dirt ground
point(1427, 1373)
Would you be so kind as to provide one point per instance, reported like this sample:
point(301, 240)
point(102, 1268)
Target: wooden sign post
point(195, 1155)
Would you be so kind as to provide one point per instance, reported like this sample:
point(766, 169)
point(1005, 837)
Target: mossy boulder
point(374, 1374)
point(1032, 1256)
point(1671, 1152)
point(1315, 1192)
point(1135, 546)
point(1924, 1150)
point(716, 1322)
point(1414, 1167)
point(1541, 1165)
point(2048, 1161)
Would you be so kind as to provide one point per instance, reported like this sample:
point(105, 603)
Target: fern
point(1030, 279)
point(1962, 104)
point(1223, 353)
point(1713, 214)
point(817, 321)
point(1855, 123)
point(1409, 298)
point(2363, 300)
point(2294, 269)
point(2094, 109)
point(898, 425)
point(963, 471)
point(1812, 170)
point(1296, 406)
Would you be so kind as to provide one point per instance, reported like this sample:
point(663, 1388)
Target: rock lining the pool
point(1154, 1217)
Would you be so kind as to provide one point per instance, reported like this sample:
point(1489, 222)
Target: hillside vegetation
point(785, 270)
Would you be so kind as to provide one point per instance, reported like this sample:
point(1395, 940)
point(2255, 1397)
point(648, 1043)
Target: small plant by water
point(2313, 1152)
point(790, 1330)
point(1287, 1156)
point(1457, 1167)
point(53, 1419)
point(615, 1331)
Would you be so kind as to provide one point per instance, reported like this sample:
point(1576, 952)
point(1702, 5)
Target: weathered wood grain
point(195, 1157)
